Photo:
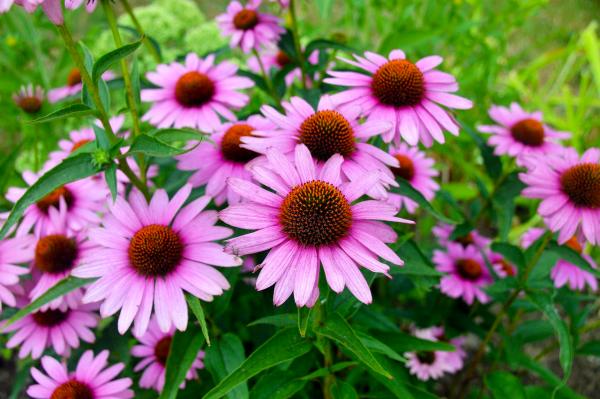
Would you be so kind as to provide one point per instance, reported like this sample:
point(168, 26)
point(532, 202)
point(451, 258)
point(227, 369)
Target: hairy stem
point(140, 30)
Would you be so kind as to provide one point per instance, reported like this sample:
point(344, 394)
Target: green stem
point(140, 30)
point(268, 80)
point(297, 46)
point(329, 379)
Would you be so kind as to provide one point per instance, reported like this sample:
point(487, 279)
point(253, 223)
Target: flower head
point(30, 99)
point(73, 86)
point(92, 378)
point(154, 350)
point(149, 254)
point(310, 219)
point(277, 59)
point(501, 266)
point(194, 94)
point(404, 93)
point(13, 251)
point(249, 29)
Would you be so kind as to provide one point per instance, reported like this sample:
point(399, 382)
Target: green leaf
point(110, 175)
point(376, 346)
point(321, 44)
point(503, 385)
point(222, 358)
point(405, 189)
point(343, 390)
point(70, 169)
point(145, 144)
point(591, 348)
point(338, 329)
point(277, 385)
point(73, 110)
point(135, 82)
point(322, 372)
point(20, 380)
point(107, 60)
point(101, 137)
point(303, 318)
point(88, 58)
point(396, 385)
point(184, 350)
point(416, 263)
point(401, 342)
point(492, 163)
point(512, 253)
point(173, 135)
point(283, 346)
point(196, 306)
point(61, 288)
point(278, 320)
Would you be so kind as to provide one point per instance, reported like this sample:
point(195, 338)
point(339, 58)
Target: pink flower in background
point(214, 161)
point(569, 187)
point(90, 5)
point(403, 93)
point(249, 29)
point(52, 8)
point(73, 86)
point(29, 98)
point(194, 94)
point(327, 131)
point(520, 133)
point(13, 251)
point(149, 254)
point(5, 5)
point(93, 378)
point(275, 58)
point(311, 218)
point(417, 170)
point(565, 273)
point(154, 350)
point(501, 266)
point(443, 232)
point(467, 273)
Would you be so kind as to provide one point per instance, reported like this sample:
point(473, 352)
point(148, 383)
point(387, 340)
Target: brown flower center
point(155, 250)
point(466, 240)
point(74, 77)
point(469, 269)
point(55, 254)
point(31, 105)
point(161, 350)
point(581, 183)
point(80, 144)
point(426, 357)
point(50, 317)
point(398, 83)
point(574, 244)
point(529, 132)
point(245, 19)
point(326, 133)
point(73, 389)
point(506, 267)
point(53, 199)
point(230, 144)
point(282, 59)
point(194, 89)
point(406, 170)
point(315, 213)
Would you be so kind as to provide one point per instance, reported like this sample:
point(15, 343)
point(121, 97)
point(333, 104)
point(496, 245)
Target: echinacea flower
point(30, 99)
point(249, 29)
point(154, 350)
point(417, 169)
point(275, 58)
point(467, 273)
point(13, 251)
point(501, 266)
point(73, 86)
point(93, 378)
point(444, 231)
point(194, 94)
point(214, 161)
point(148, 254)
point(52, 8)
point(569, 187)
point(520, 133)
point(403, 93)
point(327, 131)
point(90, 5)
point(566, 273)
point(311, 218)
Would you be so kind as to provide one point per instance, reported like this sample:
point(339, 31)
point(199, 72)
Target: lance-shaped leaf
point(109, 59)
point(406, 190)
point(182, 353)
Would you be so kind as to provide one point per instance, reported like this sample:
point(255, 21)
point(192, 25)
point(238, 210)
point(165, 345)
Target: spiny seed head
point(315, 213)
point(162, 348)
point(74, 77)
point(155, 250)
point(80, 144)
point(194, 89)
point(426, 357)
point(506, 267)
point(406, 170)
point(465, 240)
point(53, 199)
point(73, 389)
point(230, 144)
point(245, 19)
point(282, 59)
point(55, 253)
point(581, 183)
point(30, 104)
point(469, 269)
point(574, 244)
point(50, 317)
point(398, 83)
point(326, 133)
point(529, 132)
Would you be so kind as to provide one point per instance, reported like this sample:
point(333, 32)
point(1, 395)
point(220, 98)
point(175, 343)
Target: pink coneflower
point(311, 218)
point(565, 273)
point(467, 272)
point(92, 379)
point(73, 86)
point(443, 232)
point(520, 133)
point(569, 187)
point(13, 251)
point(154, 350)
point(222, 157)
point(416, 169)
point(434, 364)
point(275, 58)
point(150, 253)
point(90, 5)
point(327, 131)
point(29, 98)
point(52, 8)
point(248, 28)
point(501, 266)
point(404, 93)
point(195, 94)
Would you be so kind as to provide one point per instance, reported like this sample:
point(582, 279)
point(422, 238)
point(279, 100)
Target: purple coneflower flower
point(311, 218)
point(73, 86)
point(501, 266)
point(443, 232)
point(275, 58)
point(30, 98)
point(13, 251)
